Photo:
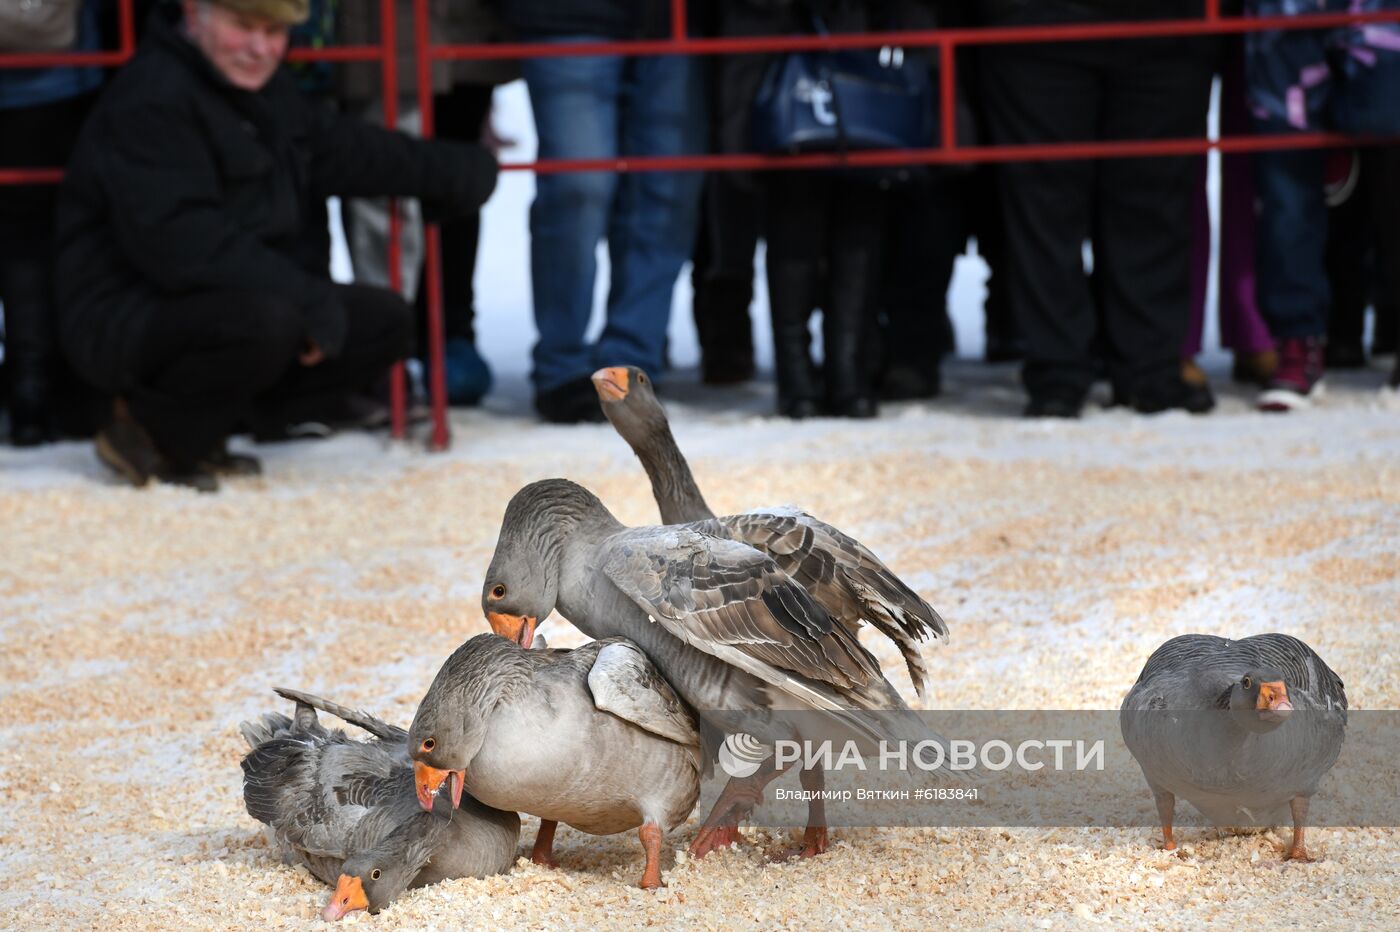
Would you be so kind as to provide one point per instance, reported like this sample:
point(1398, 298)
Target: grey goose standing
point(593, 737)
point(725, 625)
point(347, 809)
point(846, 578)
point(1270, 718)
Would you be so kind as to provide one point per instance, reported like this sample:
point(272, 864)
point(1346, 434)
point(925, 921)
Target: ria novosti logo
point(742, 754)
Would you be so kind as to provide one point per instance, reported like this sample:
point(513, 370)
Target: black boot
point(792, 285)
point(846, 321)
point(725, 330)
point(29, 410)
point(28, 348)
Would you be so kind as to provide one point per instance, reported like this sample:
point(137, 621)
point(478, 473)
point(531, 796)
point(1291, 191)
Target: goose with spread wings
point(840, 573)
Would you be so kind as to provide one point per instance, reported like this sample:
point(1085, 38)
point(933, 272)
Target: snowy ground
point(140, 626)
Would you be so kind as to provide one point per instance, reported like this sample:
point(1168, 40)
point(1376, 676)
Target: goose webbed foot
point(1298, 805)
point(1166, 809)
point(815, 841)
point(712, 837)
point(543, 852)
point(725, 836)
point(650, 834)
point(721, 827)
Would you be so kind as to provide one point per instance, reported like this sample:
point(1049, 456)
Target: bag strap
point(818, 25)
point(842, 138)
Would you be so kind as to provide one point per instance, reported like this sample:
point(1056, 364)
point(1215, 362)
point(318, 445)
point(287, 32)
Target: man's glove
point(470, 172)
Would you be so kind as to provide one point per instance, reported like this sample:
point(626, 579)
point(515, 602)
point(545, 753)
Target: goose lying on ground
point(347, 809)
point(592, 737)
point(1271, 717)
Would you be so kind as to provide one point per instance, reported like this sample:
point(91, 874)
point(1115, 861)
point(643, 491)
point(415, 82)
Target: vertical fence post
point(389, 82)
point(947, 95)
point(126, 25)
point(1212, 10)
point(678, 31)
point(432, 240)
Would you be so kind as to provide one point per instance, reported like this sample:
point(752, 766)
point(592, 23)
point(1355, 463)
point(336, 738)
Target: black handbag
point(832, 101)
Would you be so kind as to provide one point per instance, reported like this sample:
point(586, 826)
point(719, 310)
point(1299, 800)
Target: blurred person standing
point(1136, 212)
point(1357, 281)
point(600, 107)
point(826, 229)
point(1345, 79)
point(41, 111)
point(462, 94)
point(189, 285)
point(1242, 327)
point(731, 220)
point(931, 220)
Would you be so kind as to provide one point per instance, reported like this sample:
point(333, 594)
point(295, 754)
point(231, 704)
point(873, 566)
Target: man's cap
point(286, 12)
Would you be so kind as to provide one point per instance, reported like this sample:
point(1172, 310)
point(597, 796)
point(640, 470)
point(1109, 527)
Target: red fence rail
point(946, 41)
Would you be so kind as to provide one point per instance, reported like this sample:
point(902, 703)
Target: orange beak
point(1273, 704)
point(611, 383)
point(349, 896)
point(519, 628)
point(426, 781)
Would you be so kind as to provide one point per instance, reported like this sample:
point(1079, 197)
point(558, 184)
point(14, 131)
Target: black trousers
point(1136, 212)
point(826, 234)
point(722, 271)
point(924, 236)
point(457, 115)
point(1363, 252)
point(211, 361)
point(42, 388)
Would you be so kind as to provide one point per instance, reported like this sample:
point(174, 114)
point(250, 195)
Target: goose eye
point(374, 874)
point(1247, 683)
point(498, 591)
point(429, 744)
point(642, 377)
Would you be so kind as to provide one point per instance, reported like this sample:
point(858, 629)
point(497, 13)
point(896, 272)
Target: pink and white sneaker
point(1297, 382)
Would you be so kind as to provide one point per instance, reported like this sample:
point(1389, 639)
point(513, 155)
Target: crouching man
point(192, 281)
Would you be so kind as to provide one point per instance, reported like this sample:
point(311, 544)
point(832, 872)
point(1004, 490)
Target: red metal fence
point(946, 41)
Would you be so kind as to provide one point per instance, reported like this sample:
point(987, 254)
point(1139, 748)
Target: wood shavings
point(141, 626)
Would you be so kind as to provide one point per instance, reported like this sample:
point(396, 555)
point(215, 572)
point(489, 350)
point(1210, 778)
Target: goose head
point(374, 878)
point(522, 583)
point(518, 592)
point(1259, 700)
point(629, 402)
point(449, 727)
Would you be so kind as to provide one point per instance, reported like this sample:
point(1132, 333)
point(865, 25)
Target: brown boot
point(1255, 368)
point(1192, 375)
point(125, 446)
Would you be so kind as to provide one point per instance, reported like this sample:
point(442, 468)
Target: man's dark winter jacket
point(181, 184)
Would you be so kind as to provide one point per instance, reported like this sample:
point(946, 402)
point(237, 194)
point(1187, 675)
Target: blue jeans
point(1346, 79)
point(1292, 287)
point(603, 107)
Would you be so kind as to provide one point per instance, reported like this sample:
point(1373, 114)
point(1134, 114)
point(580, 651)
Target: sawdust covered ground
point(139, 628)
